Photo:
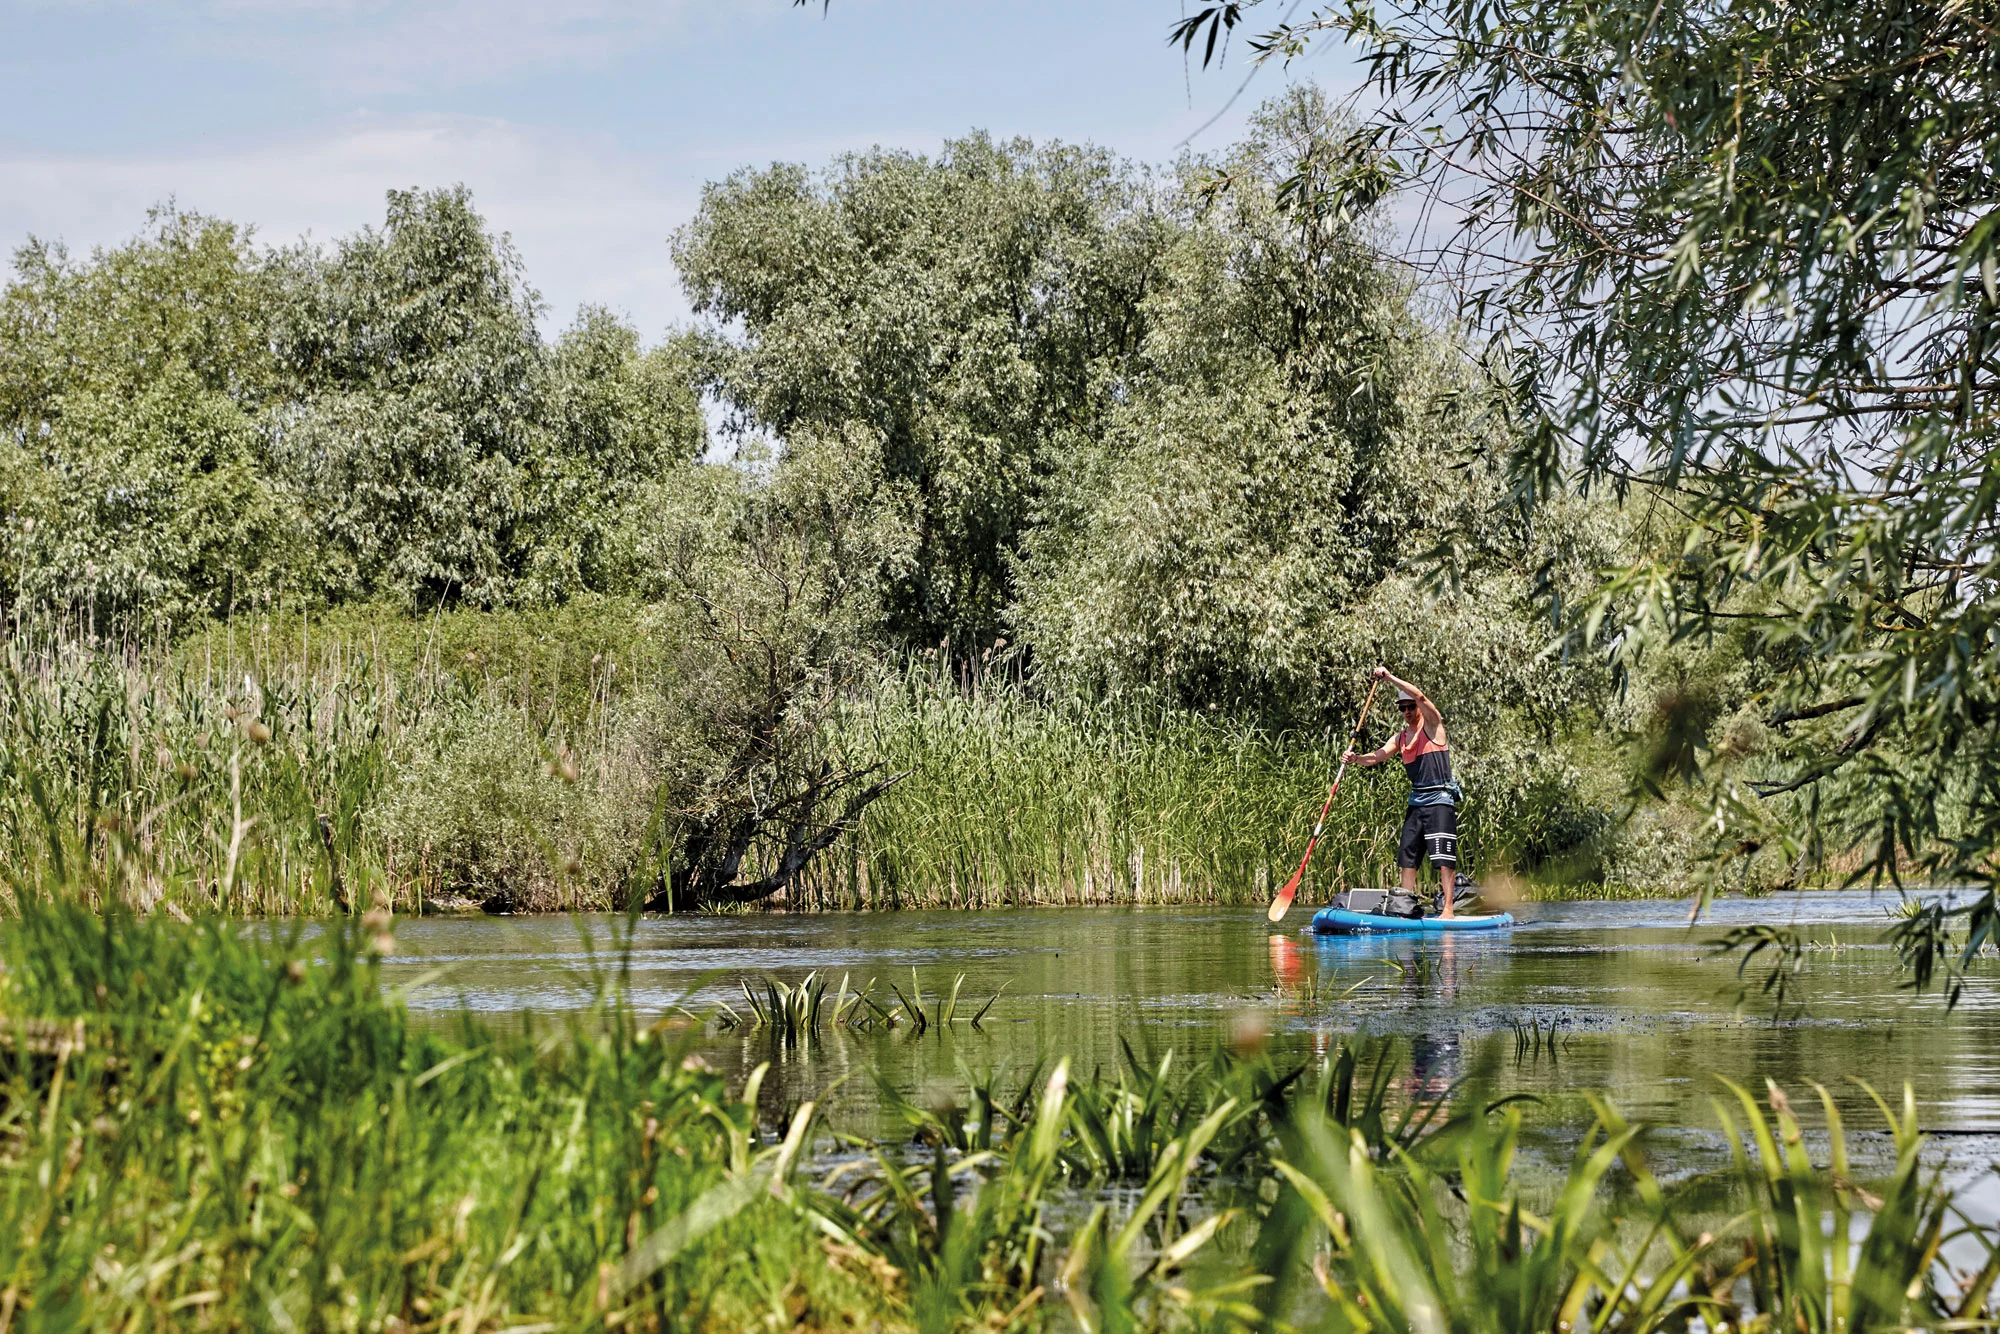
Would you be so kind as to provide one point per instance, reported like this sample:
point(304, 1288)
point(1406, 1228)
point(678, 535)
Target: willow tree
point(1291, 441)
point(1741, 264)
point(767, 591)
point(968, 313)
point(132, 386)
point(193, 425)
point(441, 451)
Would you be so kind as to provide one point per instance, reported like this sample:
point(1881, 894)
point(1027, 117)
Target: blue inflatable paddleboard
point(1341, 922)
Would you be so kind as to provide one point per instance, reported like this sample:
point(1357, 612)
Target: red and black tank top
point(1427, 762)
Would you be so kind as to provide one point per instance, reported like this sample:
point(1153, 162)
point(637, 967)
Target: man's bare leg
point(1410, 885)
point(1449, 876)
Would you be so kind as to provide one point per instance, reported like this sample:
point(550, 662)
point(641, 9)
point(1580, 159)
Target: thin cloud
point(372, 46)
point(591, 222)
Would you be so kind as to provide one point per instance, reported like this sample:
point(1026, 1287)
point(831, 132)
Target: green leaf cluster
point(192, 425)
point(1737, 263)
point(968, 315)
point(1293, 438)
point(1184, 444)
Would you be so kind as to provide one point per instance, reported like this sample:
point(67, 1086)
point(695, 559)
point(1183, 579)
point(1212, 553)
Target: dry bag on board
point(1381, 902)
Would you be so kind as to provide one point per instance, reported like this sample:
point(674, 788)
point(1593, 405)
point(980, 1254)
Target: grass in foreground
point(224, 1135)
point(211, 1129)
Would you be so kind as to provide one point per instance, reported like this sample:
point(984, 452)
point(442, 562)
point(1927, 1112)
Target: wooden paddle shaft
point(1353, 741)
point(1282, 904)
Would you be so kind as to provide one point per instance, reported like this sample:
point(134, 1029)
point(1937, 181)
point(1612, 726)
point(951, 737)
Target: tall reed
point(518, 761)
point(1017, 800)
point(136, 778)
point(273, 773)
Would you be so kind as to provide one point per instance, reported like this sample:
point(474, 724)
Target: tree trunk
point(714, 852)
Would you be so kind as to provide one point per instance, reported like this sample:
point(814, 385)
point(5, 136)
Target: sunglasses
point(1410, 707)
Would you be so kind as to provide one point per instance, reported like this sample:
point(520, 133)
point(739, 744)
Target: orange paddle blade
point(1283, 903)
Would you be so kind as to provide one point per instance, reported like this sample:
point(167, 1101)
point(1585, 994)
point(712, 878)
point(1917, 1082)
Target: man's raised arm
point(1427, 710)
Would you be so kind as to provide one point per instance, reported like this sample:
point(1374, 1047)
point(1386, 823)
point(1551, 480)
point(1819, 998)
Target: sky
point(584, 128)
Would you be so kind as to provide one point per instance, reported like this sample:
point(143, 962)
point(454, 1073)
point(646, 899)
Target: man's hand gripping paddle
point(1283, 903)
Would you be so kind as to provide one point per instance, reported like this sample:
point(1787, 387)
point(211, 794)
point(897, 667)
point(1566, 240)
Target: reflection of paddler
point(1288, 967)
point(1436, 1059)
point(1434, 1065)
point(1447, 978)
point(1430, 821)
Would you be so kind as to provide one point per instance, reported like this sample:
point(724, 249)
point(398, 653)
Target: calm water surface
point(1643, 1009)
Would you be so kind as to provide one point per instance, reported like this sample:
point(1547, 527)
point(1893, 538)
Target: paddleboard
point(1341, 922)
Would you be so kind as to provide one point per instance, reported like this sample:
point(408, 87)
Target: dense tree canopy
point(131, 390)
point(414, 445)
point(190, 425)
point(1170, 443)
point(1739, 262)
point(1291, 438)
point(971, 313)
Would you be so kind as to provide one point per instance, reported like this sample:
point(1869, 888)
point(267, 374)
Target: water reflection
point(1630, 1001)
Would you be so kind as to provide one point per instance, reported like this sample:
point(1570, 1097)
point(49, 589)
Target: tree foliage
point(131, 388)
point(190, 425)
point(1247, 486)
point(1292, 438)
point(416, 351)
point(971, 312)
point(1172, 443)
point(1739, 262)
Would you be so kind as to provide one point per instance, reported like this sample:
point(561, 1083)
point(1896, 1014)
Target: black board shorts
point(1429, 831)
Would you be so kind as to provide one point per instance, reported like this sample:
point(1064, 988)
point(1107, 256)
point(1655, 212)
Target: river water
point(1629, 1001)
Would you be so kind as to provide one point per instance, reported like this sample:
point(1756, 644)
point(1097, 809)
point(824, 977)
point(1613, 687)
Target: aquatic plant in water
point(1307, 1199)
point(795, 1010)
point(213, 1127)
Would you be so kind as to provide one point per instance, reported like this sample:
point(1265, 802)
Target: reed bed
point(516, 762)
point(1013, 800)
point(135, 778)
point(273, 774)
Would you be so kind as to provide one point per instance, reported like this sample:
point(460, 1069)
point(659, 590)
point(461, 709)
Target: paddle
point(1283, 903)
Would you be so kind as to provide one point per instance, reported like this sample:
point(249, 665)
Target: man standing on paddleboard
point(1430, 824)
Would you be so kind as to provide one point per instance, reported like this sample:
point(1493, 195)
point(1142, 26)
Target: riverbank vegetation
point(221, 1126)
point(512, 760)
point(1743, 276)
point(1044, 520)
